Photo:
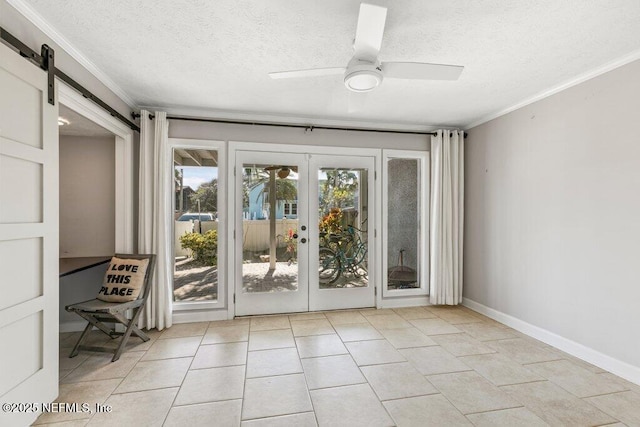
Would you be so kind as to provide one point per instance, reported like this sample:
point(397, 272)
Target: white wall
point(87, 196)
point(552, 216)
point(280, 135)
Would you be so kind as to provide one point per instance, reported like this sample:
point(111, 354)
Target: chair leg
point(84, 334)
point(144, 337)
point(124, 339)
point(123, 343)
point(131, 328)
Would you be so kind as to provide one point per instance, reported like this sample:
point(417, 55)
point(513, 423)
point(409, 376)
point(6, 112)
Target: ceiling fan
point(364, 71)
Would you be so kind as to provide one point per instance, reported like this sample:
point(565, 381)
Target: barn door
point(28, 239)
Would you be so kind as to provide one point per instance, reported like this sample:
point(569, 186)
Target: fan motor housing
point(362, 75)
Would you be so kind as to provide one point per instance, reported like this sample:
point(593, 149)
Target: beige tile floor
point(419, 366)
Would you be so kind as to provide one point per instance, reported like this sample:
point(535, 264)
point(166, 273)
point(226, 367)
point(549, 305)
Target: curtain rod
point(289, 125)
point(45, 60)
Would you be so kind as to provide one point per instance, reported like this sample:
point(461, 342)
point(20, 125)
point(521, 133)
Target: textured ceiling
point(213, 56)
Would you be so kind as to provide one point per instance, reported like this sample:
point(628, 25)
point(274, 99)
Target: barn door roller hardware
point(46, 60)
point(48, 64)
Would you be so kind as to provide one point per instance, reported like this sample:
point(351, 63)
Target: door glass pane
point(269, 228)
point(403, 225)
point(343, 212)
point(195, 225)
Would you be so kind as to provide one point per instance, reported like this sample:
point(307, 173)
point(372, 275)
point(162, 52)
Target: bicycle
point(340, 253)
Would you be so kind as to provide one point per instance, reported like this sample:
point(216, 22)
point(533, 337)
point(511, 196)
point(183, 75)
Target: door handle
point(304, 227)
point(303, 240)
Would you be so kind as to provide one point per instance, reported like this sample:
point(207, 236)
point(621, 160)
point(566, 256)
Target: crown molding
point(288, 119)
point(36, 19)
point(581, 78)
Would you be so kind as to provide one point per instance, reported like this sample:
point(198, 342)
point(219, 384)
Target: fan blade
point(314, 72)
point(369, 31)
point(421, 71)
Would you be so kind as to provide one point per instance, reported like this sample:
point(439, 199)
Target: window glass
point(195, 225)
point(403, 224)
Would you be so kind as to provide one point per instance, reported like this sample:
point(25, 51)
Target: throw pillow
point(123, 280)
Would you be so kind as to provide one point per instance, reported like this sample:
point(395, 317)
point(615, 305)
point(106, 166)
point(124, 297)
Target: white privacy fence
point(181, 228)
point(255, 233)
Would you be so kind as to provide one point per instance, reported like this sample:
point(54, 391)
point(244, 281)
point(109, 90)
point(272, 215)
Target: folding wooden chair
point(96, 312)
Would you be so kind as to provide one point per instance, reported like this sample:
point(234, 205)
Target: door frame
point(376, 246)
point(124, 188)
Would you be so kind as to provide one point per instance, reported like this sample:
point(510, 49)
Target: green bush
point(204, 247)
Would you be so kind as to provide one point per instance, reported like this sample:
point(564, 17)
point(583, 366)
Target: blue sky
point(196, 175)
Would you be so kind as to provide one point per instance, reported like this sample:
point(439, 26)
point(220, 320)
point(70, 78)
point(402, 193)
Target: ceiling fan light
point(283, 172)
point(362, 81)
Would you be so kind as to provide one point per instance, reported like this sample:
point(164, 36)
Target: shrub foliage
point(203, 247)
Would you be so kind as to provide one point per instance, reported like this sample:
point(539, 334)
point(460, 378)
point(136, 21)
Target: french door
point(303, 239)
point(341, 255)
point(272, 270)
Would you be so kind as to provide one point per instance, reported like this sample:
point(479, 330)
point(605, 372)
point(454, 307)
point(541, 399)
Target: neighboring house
point(259, 205)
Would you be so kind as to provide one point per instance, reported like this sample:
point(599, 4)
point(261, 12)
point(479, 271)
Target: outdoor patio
point(194, 282)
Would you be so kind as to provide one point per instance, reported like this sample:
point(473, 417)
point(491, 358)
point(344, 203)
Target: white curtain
point(154, 224)
point(447, 217)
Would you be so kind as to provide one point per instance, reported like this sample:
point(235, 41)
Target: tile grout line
point(411, 397)
point(244, 381)
point(367, 379)
point(526, 382)
point(540, 362)
point(185, 376)
point(306, 383)
point(205, 403)
point(603, 394)
point(497, 410)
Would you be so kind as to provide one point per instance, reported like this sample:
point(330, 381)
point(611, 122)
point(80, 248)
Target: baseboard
point(400, 302)
point(608, 363)
point(189, 316)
